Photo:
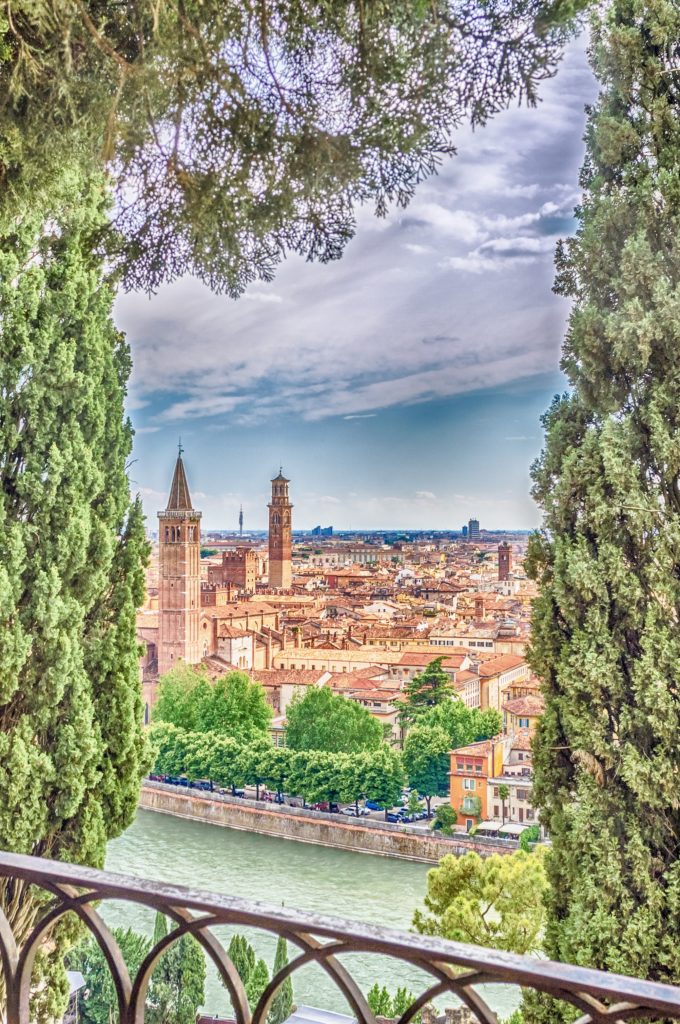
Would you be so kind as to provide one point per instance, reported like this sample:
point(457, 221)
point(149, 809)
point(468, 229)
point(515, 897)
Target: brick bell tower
point(280, 532)
point(179, 575)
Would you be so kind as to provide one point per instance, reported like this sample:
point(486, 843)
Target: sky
point(400, 387)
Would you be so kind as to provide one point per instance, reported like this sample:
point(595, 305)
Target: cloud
point(450, 296)
point(521, 437)
point(426, 496)
point(147, 430)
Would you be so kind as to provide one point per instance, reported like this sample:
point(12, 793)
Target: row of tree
point(314, 775)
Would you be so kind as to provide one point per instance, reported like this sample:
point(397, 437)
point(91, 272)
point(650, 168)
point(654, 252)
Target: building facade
point(280, 535)
point(179, 576)
point(238, 568)
point(473, 529)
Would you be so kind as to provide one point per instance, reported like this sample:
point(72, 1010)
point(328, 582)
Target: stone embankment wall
point(364, 835)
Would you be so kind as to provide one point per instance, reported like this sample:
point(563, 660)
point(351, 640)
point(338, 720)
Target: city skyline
point(400, 388)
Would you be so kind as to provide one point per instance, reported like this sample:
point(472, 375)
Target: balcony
point(455, 970)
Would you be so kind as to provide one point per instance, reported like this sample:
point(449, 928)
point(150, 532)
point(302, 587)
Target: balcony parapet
point(454, 968)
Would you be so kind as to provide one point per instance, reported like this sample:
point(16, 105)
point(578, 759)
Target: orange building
point(471, 768)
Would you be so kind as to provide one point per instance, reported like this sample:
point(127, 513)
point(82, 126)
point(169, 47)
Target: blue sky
point(400, 387)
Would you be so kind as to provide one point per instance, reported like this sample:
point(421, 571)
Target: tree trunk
point(428, 801)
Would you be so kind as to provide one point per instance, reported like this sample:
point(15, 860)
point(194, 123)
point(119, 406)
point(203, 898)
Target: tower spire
point(180, 498)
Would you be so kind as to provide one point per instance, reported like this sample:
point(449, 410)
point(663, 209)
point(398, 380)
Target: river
point(281, 873)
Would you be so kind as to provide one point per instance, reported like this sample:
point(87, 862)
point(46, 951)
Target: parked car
point(351, 812)
point(203, 784)
point(393, 817)
point(239, 792)
point(324, 805)
point(373, 805)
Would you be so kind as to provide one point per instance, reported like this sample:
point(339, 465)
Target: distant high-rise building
point(179, 575)
point(465, 532)
point(504, 560)
point(280, 535)
point(322, 531)
point(240, 522)
point(473, 529)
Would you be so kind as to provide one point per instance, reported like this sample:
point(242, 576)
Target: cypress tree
point(282, 1003)
point(72, 551)
point(606, 637)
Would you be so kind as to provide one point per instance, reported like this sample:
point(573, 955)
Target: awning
point(513, 828)
point(488, 826)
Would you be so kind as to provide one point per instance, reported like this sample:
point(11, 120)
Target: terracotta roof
point(231, 633)
point(238, 610)
point(521, 742)
point(292, 676)
point(501, 663)
point(180, 499)
point(430, 654)
point(527, 706)
point(480, 749)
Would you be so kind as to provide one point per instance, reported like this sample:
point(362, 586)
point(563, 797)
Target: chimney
point(298, 638)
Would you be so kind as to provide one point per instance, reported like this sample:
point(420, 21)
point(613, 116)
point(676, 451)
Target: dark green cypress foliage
point(606, 638)
point(72, 551)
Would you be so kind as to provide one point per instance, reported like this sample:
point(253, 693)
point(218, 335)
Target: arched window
point(167, 534)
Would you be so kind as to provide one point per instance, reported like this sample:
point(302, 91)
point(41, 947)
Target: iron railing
point(455, 969)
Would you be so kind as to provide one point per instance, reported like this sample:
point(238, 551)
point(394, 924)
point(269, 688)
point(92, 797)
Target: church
point(216, 618)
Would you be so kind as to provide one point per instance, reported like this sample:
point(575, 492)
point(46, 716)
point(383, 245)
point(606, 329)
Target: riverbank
point(315, 827)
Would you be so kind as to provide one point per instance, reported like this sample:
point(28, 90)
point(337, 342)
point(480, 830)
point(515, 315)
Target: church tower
point(179, 576)
point(280, 569)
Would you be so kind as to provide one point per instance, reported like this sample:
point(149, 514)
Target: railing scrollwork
point(455, 969)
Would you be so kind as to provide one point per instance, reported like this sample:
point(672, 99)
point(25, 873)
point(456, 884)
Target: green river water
point(282, 873)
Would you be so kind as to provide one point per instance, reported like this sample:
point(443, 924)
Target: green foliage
point(321, 107)
point(181, 693)
point(384, 1005)
point(380, 1001)
point(606, 639)
point(282, 1003)
point(237, 707)
point(233, 706)
point(515, 1018)
point(242, 955)
point(529, 838)
point(321, 720)
point(177, 986)
point(72, 551)
point(312, 774)
point(258, 980)
point(413, 804)
point(444, 819)
point(495, 901)
point(97, 1002)
point(427, 761)
point(461, 724)
point(425, 691)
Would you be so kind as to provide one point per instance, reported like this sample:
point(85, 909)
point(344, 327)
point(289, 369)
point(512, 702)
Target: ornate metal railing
point(455, 969)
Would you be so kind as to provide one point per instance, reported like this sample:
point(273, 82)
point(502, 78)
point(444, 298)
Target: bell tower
point(179, 575)
point(280, 533)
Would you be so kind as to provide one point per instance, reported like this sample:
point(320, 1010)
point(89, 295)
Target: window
point(524, 723)
point(468, 783)
point(460, 766)
point(468, 766)
point(478, 767)
point(469, 803)
point(496, 812)
point(530, 814)
point(521, 814)
point(522, 794)
point(495, 792)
